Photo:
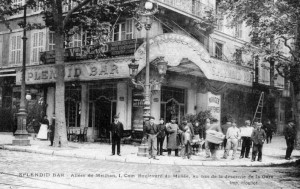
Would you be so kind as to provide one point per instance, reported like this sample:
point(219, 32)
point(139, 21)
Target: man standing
point(172, 130)
point(269, 130)
point(161, 136)
point(151, 131)
point(185, 123)
point(224, 131)
point(117, 133)
point(258, 137)
point(290, 136)
point(246, 132)
point(232, 136)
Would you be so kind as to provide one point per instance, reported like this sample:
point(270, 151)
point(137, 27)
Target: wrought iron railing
point(194, 7)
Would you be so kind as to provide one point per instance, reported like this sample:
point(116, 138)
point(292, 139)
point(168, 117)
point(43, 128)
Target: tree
point(275, 27)
point(65, 17)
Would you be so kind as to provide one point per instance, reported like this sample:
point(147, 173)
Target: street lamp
point(146, 10)
point(21, 135)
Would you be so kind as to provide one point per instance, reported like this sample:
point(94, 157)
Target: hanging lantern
point(133, 68)
point(162, 67)
point(28, 96)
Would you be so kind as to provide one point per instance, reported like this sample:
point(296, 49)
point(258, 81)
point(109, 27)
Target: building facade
point(206, 71)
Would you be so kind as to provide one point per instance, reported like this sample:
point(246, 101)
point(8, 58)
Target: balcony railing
point(194, 7)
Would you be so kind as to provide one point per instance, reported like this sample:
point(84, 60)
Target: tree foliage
point(273, 26)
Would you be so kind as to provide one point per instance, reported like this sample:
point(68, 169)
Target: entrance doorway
point(104, 111)
point(102, 108)
point(172, 103)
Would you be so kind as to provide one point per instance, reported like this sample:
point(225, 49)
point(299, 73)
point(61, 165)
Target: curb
point(142, 160)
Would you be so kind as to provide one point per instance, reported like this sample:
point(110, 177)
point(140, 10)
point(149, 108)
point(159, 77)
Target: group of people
point(191, 137)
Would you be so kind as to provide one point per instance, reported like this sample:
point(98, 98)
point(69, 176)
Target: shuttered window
point(38, 45)
point(16, 49)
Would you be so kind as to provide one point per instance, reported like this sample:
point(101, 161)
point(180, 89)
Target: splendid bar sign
point(110, 49)
point(73, 72)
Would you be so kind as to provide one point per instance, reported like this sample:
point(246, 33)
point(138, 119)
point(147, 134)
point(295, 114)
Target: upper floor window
point(76, 40)
point(15, 56)
point(68, 5)
point(51, 43)
point(39, 6)
point(219, 50)
point(123, 31)
point(37, 44)
point(239, 30)
point(18, 3)
point(238, 56)
point(220, 24)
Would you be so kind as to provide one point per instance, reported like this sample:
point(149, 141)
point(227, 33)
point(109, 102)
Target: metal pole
point(147, 107)
point(21, 135)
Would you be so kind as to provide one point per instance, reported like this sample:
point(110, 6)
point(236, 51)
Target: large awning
point(188, 56)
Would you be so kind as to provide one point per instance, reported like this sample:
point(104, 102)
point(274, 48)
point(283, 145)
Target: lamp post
point(146, 10)
point(21, 135)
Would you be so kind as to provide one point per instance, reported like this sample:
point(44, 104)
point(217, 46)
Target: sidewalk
point(273, 153)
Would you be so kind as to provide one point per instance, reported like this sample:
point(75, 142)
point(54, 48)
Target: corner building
point(206, 71)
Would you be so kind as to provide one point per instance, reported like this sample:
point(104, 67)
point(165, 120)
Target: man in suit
point(151, 131)
point(258, 137)
point(117, 134)
point(161, 136)
point(290, 136)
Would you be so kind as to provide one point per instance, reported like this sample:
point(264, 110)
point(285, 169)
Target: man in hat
point(151, 131)
point(185, 123)
point(290, 136)
point(117, 134)
point(258, 138)
point(173, 140)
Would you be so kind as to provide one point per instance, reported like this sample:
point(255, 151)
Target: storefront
point(96, 90)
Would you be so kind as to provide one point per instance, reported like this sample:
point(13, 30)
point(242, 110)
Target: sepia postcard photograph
point(152, 94)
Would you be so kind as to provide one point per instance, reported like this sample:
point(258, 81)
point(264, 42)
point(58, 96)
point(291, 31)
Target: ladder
point(259, 109)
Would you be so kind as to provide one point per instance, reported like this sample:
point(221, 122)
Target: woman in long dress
point(173, 143)
point(43, 132)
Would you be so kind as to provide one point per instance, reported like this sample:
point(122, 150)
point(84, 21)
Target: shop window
point(219, 51)
point(16, 48)
point(73, 106)
point(123, 31)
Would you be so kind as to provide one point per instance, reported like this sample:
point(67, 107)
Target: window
point(68, 5)
point(51, 41)
point(16, 49)
point(239, 30)
point(17, 3)
point(220, 24)
point(39, 6)
point(238, 56)
point(123, 31)
point(219, 51)
point(76, 40)
point(38, 45)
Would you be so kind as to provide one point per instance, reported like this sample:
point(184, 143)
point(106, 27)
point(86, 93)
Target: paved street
point(27, 170)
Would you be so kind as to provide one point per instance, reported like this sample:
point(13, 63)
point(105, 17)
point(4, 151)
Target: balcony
point(192, 7)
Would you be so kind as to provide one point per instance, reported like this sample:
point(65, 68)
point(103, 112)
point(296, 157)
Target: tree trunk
point(60, 137)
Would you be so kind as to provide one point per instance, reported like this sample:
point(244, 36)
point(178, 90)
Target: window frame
point(127, 33)
point(40, 47)
point(217, 55)
point(15, 49)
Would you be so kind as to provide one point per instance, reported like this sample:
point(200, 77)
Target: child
point(187, 142)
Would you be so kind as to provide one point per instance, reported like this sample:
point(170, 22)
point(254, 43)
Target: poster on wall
point(214, 105)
